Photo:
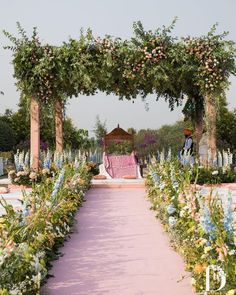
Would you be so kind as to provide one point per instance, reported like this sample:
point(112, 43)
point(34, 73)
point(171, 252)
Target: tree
point(19, 122)
point(131, 130)
point(74, 138)
point(99, 130)
point(6, 137)
point(150, 141)
point(225, 126)
point(171, 136)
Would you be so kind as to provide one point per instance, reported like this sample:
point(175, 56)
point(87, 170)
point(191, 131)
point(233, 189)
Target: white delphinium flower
point(225, 161)
point(162, 157)
point(16, 160)
point(27, 160)
point(69, 156)
point(209, 156)
point(230, 157)
point(76, 162)
point(79, 154)
point(84, 157)
point(169, 155)
point(21, 159)
point(220, 160)
point(215, 161)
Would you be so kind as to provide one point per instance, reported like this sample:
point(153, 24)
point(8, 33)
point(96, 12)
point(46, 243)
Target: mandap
point(119, 159)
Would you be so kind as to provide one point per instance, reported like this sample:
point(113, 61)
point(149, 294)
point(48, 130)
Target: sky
point(57, 20)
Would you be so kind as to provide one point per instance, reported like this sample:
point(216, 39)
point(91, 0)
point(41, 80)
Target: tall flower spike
point(228, 216)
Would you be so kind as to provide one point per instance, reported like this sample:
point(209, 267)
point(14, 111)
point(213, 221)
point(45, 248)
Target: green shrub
point(7, 140)
point(213, 175)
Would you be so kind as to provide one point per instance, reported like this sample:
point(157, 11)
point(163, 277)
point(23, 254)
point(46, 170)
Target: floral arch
point(150, 62)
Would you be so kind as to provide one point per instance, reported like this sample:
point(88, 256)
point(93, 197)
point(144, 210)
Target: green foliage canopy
point(150, 62)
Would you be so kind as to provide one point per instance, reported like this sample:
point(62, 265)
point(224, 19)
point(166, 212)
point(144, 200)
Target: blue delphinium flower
point(228, 217)
point(171, 209)
point(207, 224)
point(175, 184)
point(47, 163)
point(25, 211)
point(70, 156)
point(58, 160)
point(58, 184)
point(155, 177)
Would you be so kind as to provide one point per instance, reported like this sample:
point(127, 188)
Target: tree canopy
point(18, 131)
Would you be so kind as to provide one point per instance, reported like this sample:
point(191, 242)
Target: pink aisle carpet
point(118, 247)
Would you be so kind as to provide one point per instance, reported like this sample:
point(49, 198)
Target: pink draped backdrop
point(120, 166)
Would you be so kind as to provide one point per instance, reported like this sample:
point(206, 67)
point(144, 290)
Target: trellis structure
point(150, 62)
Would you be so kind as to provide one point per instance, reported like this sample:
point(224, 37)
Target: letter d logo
point(218, 274)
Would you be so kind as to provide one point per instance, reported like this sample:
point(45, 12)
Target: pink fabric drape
point(120, 166)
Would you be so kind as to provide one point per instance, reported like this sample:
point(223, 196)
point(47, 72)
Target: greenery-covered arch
point(150, 62)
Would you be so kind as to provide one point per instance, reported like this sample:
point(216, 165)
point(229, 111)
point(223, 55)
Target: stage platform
point(118, 183)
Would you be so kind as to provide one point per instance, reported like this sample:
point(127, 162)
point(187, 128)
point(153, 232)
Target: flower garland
point(152, 61)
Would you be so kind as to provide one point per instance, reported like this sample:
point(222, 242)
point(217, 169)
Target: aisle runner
point(118, 248)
